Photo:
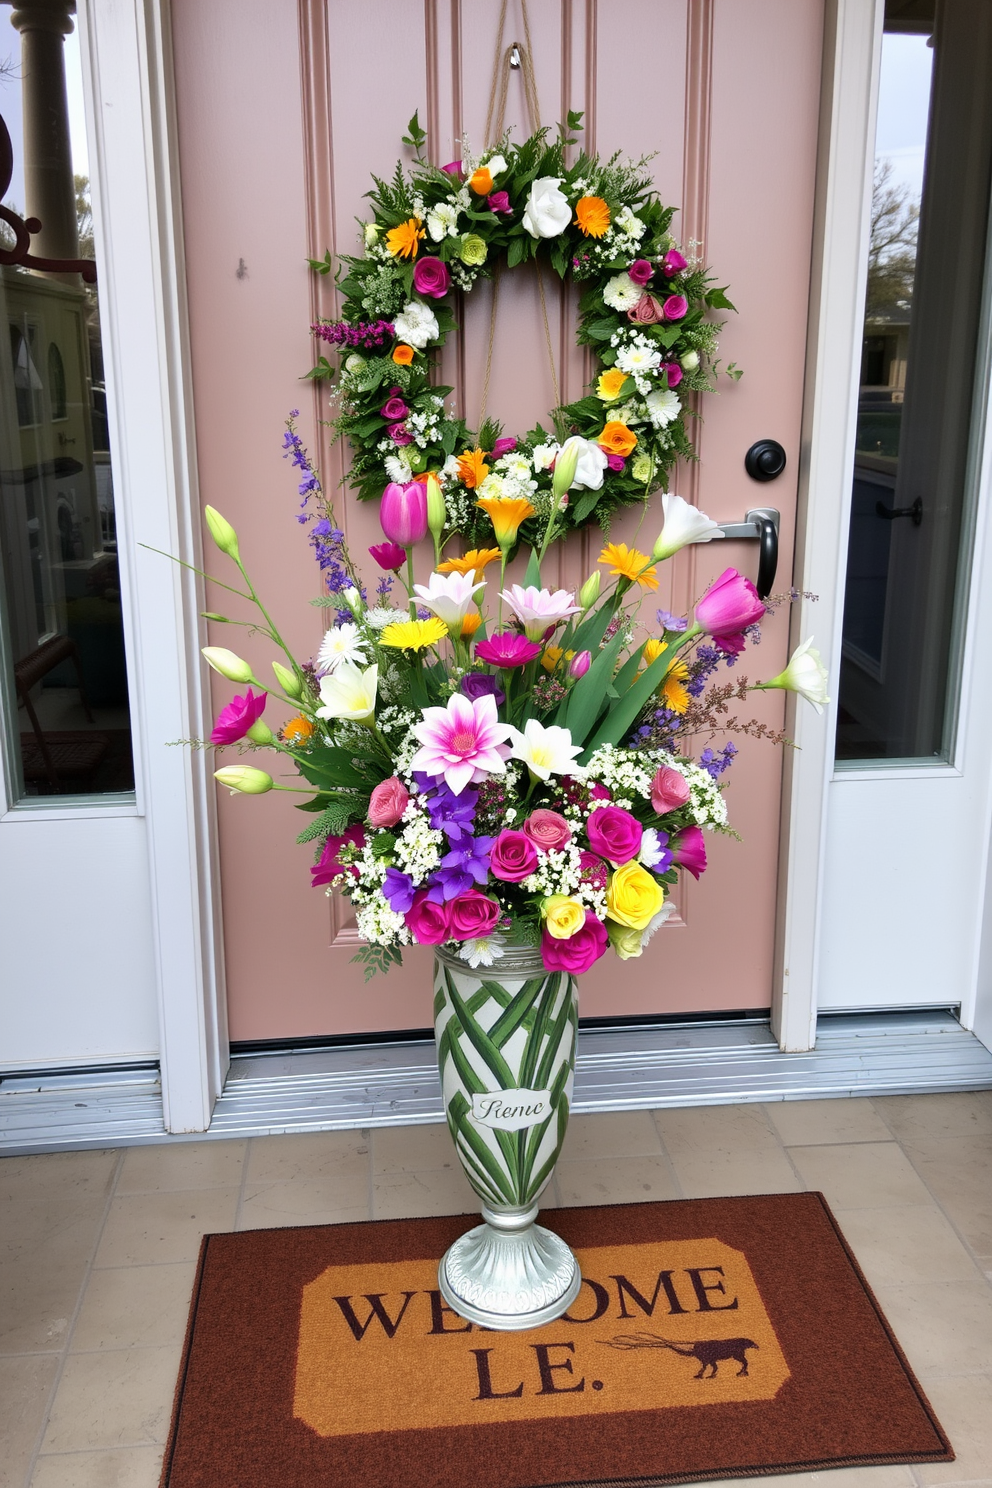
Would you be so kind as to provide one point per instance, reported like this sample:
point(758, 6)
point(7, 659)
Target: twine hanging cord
point(503, 65)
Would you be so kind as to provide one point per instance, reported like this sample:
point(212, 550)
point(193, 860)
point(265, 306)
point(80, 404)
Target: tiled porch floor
point(99, 1251)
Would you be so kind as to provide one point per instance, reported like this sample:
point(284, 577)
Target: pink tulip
point(453, 168)
point(579, 664)
point(389, 556)
point(689, 850)
point(729, 605)
point(669, 790)
point(403, 513)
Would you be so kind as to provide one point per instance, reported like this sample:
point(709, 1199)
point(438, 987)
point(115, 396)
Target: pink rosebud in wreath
point(394, 410)
point(616, 462)
point(647, 311)
point(675, 307)
point(673, 263)
point(431, 277)
point(674, 373)
point(399, 434)
point(504, 446)
point(499, 202)
point(453, 168)
point(641, 270)
point(669, 790)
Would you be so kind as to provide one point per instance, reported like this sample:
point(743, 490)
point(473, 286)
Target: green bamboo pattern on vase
point(517, 1033)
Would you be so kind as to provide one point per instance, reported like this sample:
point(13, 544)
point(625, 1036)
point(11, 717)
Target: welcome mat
point(712, 1338)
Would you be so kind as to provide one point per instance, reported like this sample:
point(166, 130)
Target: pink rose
point(504, 446)
point(431, 277)
point(499, 202)
point(548, 830)
point(675, 307)
point(394, 410)
point(673, 372)
point(513, 857)
point(641, 270)
point(729, 606)
point(616, 462)
point(648, 310)
point(399, 434)
point(669, 790)
point(428, 922)
point(580, 951)
point(388, 803)
point(473, 914)
point(689, 850)
point(673, 263)
point(594, 869)
point(614, 834)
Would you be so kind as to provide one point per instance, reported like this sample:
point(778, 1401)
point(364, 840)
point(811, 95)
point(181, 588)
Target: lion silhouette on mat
point(709, 1351)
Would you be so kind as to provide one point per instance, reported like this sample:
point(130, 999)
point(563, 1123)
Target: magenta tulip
point(403, 513)
point(579, 664)
point(234, 721)
point(689, 850)
point(389, 556)
point(453, 168)
point(431, 277)
point(729, 606)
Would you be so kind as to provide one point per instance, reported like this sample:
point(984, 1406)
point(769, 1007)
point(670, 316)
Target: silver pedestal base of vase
point(509, 1273)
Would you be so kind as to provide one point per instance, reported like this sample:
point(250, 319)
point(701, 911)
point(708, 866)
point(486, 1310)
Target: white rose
point(416, 325)
point(590, 465)
point(547, 212)
point(691, 361)
point(544, 456)
point(621, 293)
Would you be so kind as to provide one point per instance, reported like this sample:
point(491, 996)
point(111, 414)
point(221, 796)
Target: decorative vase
point(506, 1053)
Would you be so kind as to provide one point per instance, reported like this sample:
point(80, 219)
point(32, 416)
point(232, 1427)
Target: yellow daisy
point(630, 564)
point(413, 635)
point(673, 692)
point(298, 730)
point(652, 650)
point(473, 562)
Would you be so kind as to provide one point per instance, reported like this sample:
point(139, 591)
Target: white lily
point(340, 643)
point(545, 751)
point(805, 675)
point(684, 524)
point(590, 463)
point(349, 694)
point(449, 596)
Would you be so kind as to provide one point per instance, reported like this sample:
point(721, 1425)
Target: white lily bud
point(244, 778)
point(227, 664)
point(288, 681)
point(222, 532)
point(684, 524)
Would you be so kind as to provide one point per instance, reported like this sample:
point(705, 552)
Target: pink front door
point(284, 111)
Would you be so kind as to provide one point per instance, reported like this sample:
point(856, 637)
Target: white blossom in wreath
point(663, 406)
point(638, 359)
point(547, 212)
point(442, 221)
point(545, 456)
point(591, 464)
point(416, 325)
point(621, 293)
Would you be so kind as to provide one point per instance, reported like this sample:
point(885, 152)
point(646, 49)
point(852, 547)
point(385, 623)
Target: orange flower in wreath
point(402, 354)
point(404, 241)
point(616, 439)
point(481, 181)
point(298, 730)
point(592, 216)
point(472, 468)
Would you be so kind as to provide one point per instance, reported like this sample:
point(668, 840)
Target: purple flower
point(234, 721)
point(364, 334)
point(479, 684)
point(399, 434)
point(673, 263)
point(673, 372)
point(715, 764)
point(394, 410)
point(460, 868)
point(668, 621)
point(616, 462)
point(508, 649)
point(398, 891)
point(431, 277)
point(453, 815)
point(641, 270)
point(504, 446)
point(388, 555)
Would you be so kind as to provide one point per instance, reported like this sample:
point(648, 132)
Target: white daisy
point(483, 951)
point(442, 221)
point(341, 643)
point(621, 293)
point(398, 467)
point(416, 325)
point(663, 406)
point(640, 359)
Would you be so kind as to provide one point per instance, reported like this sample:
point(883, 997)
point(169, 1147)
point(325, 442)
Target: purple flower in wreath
point(617, 463)
point(398, 891)
point(460, 869)
point(394, 410)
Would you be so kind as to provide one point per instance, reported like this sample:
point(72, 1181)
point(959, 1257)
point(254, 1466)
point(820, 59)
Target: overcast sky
point(903, 102)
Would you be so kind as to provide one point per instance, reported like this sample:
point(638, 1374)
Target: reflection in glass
point(62, 617)
point(923, 304)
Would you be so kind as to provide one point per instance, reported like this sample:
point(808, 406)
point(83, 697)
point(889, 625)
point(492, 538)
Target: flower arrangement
point(644, 312)
point(493, 766)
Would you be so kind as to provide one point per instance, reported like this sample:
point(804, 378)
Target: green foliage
point(331, 822)
point(377, 960)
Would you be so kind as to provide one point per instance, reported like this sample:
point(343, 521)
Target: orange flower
point(610, 383)
point(402, 354)
point(506, 514)
point(298, 730)
point(472, 468)
point(470, 624)
point(592, 216)
point(403, 241)
point(628, 563)
point(473, 562)
point(616, 439)
point(481, 181)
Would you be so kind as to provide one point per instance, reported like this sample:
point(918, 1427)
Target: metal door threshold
point(690, 1064)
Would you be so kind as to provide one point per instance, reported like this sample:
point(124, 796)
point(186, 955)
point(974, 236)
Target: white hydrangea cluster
point(517, 474)
point(709, 809)
point(380, 925)
point(425, 424)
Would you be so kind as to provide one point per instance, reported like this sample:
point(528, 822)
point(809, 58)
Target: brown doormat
point(712, 1338)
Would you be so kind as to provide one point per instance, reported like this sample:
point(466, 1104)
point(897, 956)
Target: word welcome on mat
point(712, 1338)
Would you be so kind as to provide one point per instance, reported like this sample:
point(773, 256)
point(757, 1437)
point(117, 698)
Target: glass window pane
point(933, 153)
point(62, 622)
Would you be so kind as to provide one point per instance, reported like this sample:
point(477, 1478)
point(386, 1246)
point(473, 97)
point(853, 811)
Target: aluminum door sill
point(616, 1070)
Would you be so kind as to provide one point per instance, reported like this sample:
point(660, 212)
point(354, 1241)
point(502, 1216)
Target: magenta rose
point(453, 168)
point(513, 857)
point(669, 790)
point(594, 869)
point(394, 410)
point(616, 462)
point(548, 830)
point(673, 372)
point(689, 850)
point(330, 866)
point(673, 263)
point(427, 922)
point(729, 606)
point(641, 270)
point(388, 803)
point(504, 446)
point(614, 834)
point(431, 277)
point(648, 310)
point(675, 307)
point(580, 951)
point(399, 434)
point(599, 792)
point(499, 202)
point(473, 914)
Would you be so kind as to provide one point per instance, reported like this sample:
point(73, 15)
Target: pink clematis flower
point(236, 719)
point(538, 610)
point(463, 742)
point(507, 649)
point(689, 850)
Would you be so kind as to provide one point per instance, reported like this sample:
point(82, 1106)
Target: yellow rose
point(563, 916)
point(634, 896)
point(624, 940)
point(473, 249)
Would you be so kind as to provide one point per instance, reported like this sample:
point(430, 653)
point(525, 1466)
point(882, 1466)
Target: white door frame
point(127, 64)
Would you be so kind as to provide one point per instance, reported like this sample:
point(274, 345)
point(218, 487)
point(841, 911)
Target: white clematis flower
point(449, 596)
point(805, 675)
point(416, 325)
point(545, 751)
point(547, 213)
point(590, 465)
point(349, 694)
point(651, 850)
point(342, 643)
point(684, 524)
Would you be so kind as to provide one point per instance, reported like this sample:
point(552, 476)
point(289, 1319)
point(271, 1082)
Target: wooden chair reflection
point(59, 753)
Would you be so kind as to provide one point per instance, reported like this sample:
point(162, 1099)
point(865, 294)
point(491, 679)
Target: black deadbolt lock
point(765, 460)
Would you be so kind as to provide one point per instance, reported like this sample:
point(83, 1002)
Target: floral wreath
point(643, 312)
